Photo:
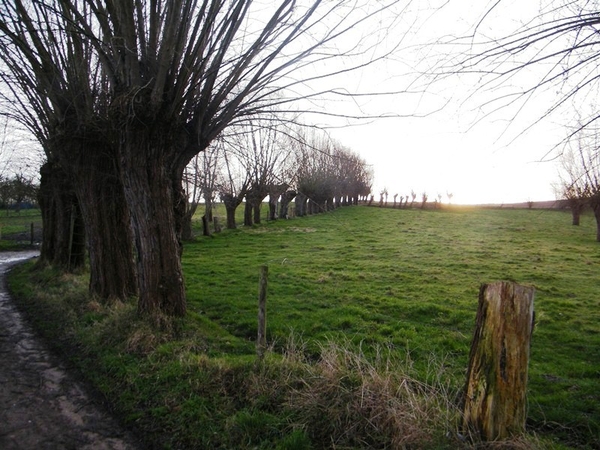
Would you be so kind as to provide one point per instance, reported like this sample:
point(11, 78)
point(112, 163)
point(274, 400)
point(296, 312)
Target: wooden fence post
point(495, 393)
point(31, 233)
point(261, 342)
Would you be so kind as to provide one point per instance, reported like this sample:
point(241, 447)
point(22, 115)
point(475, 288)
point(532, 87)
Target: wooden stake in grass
point(495, 400)
point(261, 342)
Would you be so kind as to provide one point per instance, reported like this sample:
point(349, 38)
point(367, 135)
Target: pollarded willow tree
point(327, 174)
point(171, 75)
point(53, 84)
point(265, 156)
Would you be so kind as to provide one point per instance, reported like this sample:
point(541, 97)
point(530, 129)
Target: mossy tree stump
point(495, 398)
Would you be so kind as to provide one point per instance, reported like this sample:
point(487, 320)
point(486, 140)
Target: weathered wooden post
point(31, 233)
point(261, 342)
point(495, 393)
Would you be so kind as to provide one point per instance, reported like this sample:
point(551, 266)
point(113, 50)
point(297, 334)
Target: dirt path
point(41, 405)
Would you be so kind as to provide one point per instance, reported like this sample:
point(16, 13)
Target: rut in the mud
point(43, 407)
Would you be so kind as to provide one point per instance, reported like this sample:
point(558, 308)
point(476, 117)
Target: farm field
point(15, 228)
point(374, 281)
point(409, 280)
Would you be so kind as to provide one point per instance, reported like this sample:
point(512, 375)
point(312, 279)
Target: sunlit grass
point(409, 279)
point(345, 288)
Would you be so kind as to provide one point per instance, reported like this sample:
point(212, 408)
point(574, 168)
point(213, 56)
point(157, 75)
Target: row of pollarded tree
point(580, 176)
point(284, 164)
point(402, 203)
point(123, 94)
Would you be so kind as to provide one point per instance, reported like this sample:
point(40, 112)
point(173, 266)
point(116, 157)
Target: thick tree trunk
point(205, 226)
point(186, 228)
point(156, 211)
point(248, 214)
point(301, 200)
point(595, 204)
point(186, 222)
point(63, 239)
point(495, 393)
point(256, 207)
point(576, 213)
point(231, 203)
point(230, 211)
point(208, 207)
point(107, 222)
point(272, 208)
point(576, 205)
point(286, 199)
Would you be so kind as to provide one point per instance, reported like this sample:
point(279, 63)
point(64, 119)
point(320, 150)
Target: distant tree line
point(260, 160)
point(579, 176)
point(18, 192)
point(403, 201)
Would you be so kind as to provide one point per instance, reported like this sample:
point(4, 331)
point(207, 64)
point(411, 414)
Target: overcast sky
point(447, 141)
point(463, 149)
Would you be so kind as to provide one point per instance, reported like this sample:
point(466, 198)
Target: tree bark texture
point(256, 207)
point(107, 222)
point(231, 203)
point(230, 211)
point(272, 208)
point(495, 392)
point(156, 212)
point(63, 237)
point(286, 199)
point(186, 225)
point(595, 204)
point(576, 205)
point(205, 226)
point(248, 217)
point(301, 200)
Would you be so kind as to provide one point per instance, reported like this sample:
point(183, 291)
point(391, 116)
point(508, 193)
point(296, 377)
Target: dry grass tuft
point(347, 401)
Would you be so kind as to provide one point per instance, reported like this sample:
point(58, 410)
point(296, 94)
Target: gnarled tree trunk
point(63, 239)
point(231, 203)
point(156, 212)
point(286, 199)
point(248, 217)
point(576, 205)
point(301, 200)
point(107, 222)
point(595, 204)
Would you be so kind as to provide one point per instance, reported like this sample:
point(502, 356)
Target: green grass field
point(410, 279)
point(15, 228)
point(400, 282)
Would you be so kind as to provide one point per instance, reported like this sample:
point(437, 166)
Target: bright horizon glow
point(480, 158)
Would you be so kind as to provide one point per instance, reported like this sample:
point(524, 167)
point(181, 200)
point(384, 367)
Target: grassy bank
point(370, 316)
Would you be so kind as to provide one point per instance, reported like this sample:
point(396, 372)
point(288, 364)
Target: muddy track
point(41, 405)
